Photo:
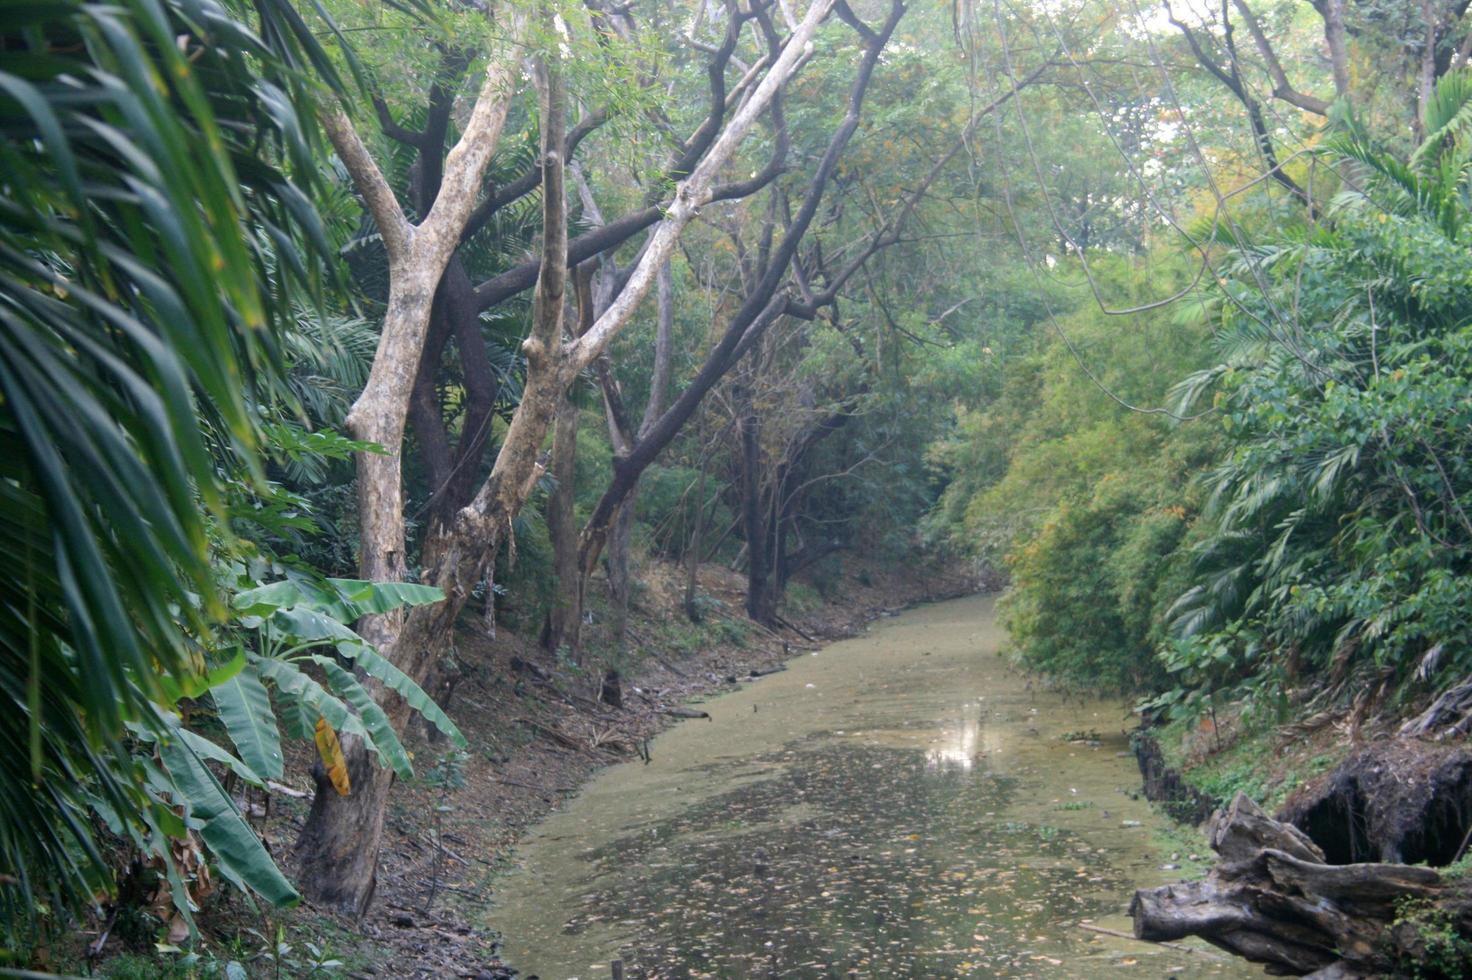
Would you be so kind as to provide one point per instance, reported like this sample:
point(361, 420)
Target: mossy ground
point(1266, 763)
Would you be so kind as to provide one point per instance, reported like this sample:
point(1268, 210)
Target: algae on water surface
point(899, 804)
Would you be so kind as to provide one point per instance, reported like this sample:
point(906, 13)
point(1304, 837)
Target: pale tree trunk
point(1426, 83)
point(563, 623)
point(338, 849)
point(337, 852)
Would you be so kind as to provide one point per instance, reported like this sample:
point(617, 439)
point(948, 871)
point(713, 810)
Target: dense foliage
point(1291, 524)
point(157, 246)
point(1338, 539)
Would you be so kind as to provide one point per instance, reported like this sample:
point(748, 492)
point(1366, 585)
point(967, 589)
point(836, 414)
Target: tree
point(782, 282)
point(1337, 542)
point(338, 849)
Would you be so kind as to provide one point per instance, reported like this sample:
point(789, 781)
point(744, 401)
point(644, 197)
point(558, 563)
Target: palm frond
point(145, 146)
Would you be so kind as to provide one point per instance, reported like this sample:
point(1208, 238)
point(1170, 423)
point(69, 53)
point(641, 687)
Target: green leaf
point(295, 715)
point(376, 665)
point(365, 598)
point(245, 709)
point(288, 677)
point(304, 624)
point(340, 599)
point(390, 748)
point(241, 855)
point(208, 750)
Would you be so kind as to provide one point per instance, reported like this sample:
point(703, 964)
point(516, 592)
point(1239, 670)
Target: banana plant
point(306, 667)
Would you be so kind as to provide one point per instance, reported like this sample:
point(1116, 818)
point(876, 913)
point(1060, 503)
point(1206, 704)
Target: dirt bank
point(537, 730)
point(1363, 789)
point(1164, 784)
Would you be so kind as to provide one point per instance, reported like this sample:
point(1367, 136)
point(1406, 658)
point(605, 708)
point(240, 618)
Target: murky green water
point(902, 804)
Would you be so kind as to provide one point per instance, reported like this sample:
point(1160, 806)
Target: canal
point(900, 804)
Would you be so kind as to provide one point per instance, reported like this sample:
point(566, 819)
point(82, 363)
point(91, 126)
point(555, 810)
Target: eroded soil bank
point(1389, 790)
point(899, 804)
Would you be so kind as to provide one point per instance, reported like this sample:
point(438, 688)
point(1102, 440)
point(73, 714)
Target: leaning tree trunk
point(1272, 899)
point(565, 617)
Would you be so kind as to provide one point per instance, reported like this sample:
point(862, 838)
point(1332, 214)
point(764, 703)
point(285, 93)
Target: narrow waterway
point(901, 804)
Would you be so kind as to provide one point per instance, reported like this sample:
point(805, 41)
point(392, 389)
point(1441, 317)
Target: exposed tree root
point(1272, 899)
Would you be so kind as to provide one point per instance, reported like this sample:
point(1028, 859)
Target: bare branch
point(529, 181)
point(466, 163)
point(691, 195)
point(377, 196)
point(392, 129)
point(1282, 88)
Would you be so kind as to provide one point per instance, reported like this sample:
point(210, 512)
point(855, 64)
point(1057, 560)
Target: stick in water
point(1175, 946)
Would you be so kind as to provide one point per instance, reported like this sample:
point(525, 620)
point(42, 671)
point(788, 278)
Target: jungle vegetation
point(329, 328)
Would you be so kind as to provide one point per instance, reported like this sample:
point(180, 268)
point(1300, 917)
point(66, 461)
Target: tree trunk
point(692, 553)
point(564, 619)
point(761, 603)
point(763, 305)
point(1426, 82)
point(1338, 41)
point(338, 847)
point(1272, 899)
point(659, 382)
point(618, 565)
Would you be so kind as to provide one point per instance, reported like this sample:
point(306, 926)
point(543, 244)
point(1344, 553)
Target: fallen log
point(795, 628)
point(1273, 899)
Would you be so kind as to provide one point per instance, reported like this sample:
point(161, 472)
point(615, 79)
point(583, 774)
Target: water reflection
point(958, 747)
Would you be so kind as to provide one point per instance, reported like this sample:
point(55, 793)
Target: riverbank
point(538, 732)
point(1387, 784)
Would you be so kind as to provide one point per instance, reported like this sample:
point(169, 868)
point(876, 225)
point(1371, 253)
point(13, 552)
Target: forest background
point(330, 329)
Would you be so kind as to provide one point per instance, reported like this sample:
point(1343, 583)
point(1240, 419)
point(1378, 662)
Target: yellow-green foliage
point(1085, 500)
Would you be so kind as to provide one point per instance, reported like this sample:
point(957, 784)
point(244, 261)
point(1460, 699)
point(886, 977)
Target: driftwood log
point(1272, 899)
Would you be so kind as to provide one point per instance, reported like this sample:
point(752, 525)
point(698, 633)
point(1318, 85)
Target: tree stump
point(612, 692)
point(1272, 899)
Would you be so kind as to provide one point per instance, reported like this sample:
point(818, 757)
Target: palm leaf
point(377, 666)
point(288, 677)
point(390, 749)
point(139, 312)
point(1447, 116)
